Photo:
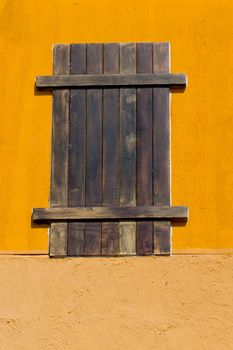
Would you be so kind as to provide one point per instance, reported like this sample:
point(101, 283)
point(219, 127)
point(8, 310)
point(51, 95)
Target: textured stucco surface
point(182, 302)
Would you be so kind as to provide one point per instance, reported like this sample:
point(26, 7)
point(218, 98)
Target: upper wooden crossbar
point(101, 80)
point(173, 213)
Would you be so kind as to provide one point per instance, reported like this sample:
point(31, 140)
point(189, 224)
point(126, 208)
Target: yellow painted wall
point(201, 36)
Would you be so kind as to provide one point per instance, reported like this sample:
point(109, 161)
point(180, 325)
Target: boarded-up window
point(110, 173)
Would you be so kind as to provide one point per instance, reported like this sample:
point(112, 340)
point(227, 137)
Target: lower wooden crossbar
point(171, 213)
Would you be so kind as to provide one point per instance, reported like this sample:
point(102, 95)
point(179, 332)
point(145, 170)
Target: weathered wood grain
point(60, 142)
point(58, 239)
point(144, 236)
point(94, 80)
point(127, 231)
point(110, 232)
point(174, 213)
point(162, 153)
point(94, 150)
point(77, 150)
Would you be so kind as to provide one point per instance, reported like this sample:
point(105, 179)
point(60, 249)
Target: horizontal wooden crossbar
point(100, 80)
point(170, 213)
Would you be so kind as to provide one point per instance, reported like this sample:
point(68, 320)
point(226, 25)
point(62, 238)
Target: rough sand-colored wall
point(180, 303)
point(201, 36)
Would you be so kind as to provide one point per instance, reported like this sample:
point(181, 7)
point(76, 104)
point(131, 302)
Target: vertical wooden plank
point(60, 142)
point(77, 150)
point(94, 150)
point(110, 236)
point(161, 119)
point(144, 236)
point(127, 239)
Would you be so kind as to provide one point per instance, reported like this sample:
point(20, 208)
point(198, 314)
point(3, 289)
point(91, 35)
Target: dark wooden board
point(162, 154)
point(144, 237)
point(107, 213)
point(110, 232)
point(77, 150)
point(127, 231)
point(59, 163)
point(94, 149)
point(94, 80)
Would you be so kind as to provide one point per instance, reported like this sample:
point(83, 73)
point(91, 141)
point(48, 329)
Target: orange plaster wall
point(201, 36)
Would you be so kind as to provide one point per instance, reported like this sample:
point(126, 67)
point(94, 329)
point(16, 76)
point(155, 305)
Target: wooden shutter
point(111, 159)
